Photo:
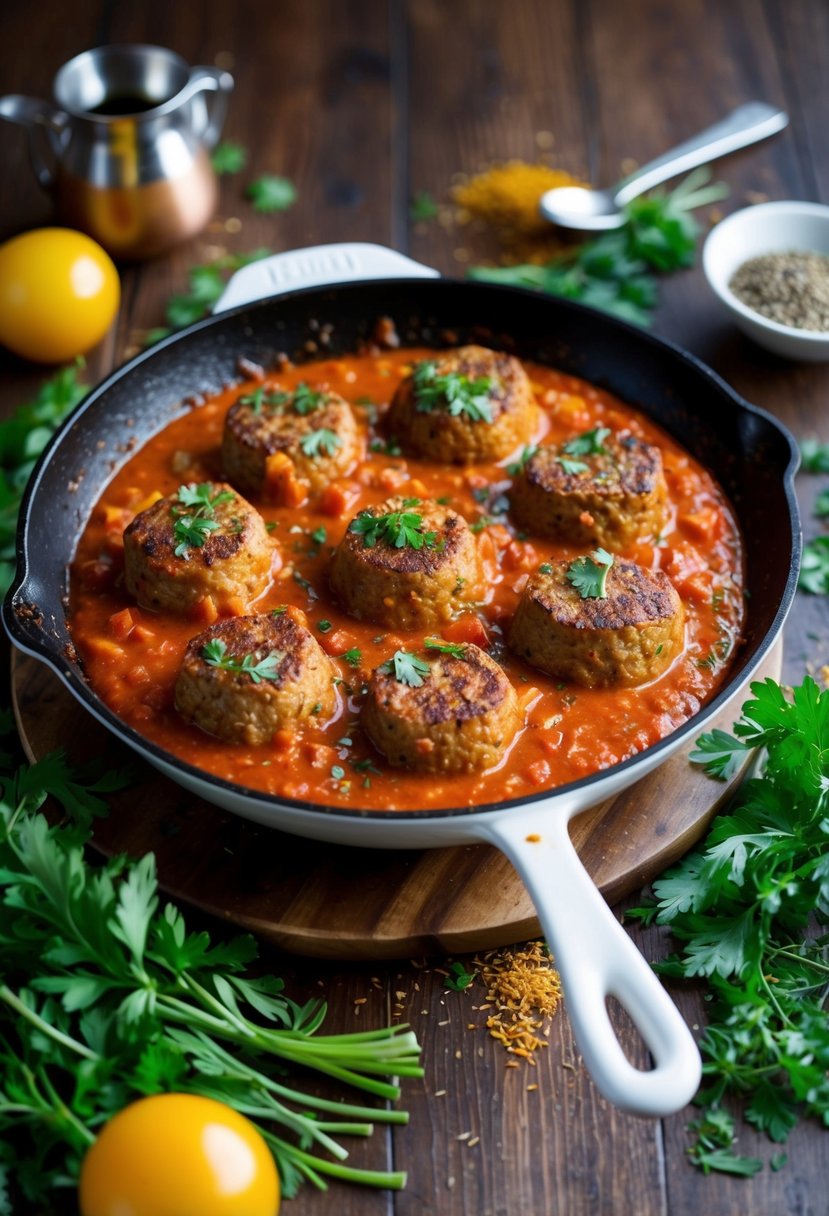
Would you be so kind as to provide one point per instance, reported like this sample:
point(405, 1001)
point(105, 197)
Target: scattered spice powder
point(505, 199)
point(523, 992)
point(789, 288)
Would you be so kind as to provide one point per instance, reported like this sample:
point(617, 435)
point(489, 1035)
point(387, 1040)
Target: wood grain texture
point(345, 903)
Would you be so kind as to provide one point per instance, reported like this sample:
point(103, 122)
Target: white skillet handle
point(317, 266)
point(596, 959)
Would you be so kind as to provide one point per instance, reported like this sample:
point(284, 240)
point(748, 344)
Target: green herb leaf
point(323, 442)
point(589, 574)
point(215, 654)
point(814, 568)
point(523, 460)
point(422, 207)
point(588, 443)
point(720, 754)
point(821, 507)
point(456, 649)
point(192, 527)
point(353, 657)
point(572, 467)
point(458, 978)
point(453, 393)
point(269, 193)
point(814, 456)
point(406, 668)
point(228, 157)
point(398, 529)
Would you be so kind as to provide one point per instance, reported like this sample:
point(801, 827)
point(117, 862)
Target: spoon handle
point(746, 125)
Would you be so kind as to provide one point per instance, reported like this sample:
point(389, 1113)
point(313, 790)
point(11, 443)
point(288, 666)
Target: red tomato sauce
point(131, 655)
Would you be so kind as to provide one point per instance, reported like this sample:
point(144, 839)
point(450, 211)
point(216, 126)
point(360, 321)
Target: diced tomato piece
point(705, 524)
point(467, 628)
point(235, 606)
point(142, 634)
point(417, 489)
point(519, 555)
point(391, 480)
point(282, 486)
point(121, 624)
point(336, 498)
point(696, 586)
point(205, 611)
point(337, 642)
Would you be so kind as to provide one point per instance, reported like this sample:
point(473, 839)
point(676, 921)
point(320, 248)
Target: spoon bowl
point(601, 210)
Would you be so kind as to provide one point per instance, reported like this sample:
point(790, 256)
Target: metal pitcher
point(126, 152)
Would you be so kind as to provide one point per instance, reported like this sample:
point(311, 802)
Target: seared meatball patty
point(611, 497)
point(205, 540)
point(315, 431)
point(400, 586)
point(460, 719)
point(630, 636)
point(503, 413)
point(246, 678)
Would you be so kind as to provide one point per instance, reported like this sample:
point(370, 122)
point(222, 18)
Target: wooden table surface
point(363, 103)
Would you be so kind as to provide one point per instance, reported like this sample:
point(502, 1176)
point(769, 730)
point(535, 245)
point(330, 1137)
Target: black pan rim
point(160, 757)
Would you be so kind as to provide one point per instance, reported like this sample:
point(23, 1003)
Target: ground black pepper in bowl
point(789, 288)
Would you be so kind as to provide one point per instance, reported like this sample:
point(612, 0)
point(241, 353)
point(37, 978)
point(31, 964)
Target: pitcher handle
point(42, 122)
point(220, 84)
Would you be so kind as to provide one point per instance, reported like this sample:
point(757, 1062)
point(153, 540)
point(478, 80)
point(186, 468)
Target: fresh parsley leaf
point(406, 668)
point(422, 207)
point(323, 442)
point(398, 529)
point(215, 654)
point(192, 527)
point(572, 467)
point(453, 393)
point(456, 649)
point(588, 443)
point(589, 574)
point(821, 507)
point(353, 657)
point(206, 283)
point(814, 456)
point(305, 399)
point(523, 460)
point(458, 978)
point(324, 626)
point(228, 157)
point(720, 754)
point(814, 568)
point(269, 193)
point(320, 535)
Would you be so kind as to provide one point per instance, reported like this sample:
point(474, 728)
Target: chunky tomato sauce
point(131, 655)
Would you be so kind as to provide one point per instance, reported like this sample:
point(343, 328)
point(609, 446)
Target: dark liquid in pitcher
point(111, 106)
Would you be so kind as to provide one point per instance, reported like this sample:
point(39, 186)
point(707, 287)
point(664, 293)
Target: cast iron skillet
point(747, 450)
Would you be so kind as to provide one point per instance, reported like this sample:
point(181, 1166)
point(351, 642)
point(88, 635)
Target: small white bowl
point(767, 228)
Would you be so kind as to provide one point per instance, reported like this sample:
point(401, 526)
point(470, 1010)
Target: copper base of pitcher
point(137, 222)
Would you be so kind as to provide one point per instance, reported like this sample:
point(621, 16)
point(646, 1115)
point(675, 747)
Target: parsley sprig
point(588, 443)
point(106, 997)
point(399, 529)
point(589, 574)
point(322, 442)
point(454, 393)
point(215, 654)
point(615, 272)
point(741, 907)
point(406, 668)
point(456, 649)
point(193, 525)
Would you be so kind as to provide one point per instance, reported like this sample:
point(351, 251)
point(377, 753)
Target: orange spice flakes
point(523, 993)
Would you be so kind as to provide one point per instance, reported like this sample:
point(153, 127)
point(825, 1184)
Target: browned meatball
point(312, 434)
point(461, 717)
point(419, 583)
point(628, 637)
point(246, 678)
point(468, 405)
point(205, 540)
point(611, 495)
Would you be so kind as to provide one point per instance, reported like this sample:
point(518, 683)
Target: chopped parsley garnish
point(571, 467)
point(399, 529)
point(480, 524)
point(459, 978)
point(422, 207)
point(456, 649)
point(589, 574)
point(389, 447)
point(545, 568)
point(337, 772)
point(305, 399)
point(259, 397)
point(523, 460)
point(353, 657)
point(320, 443)
point(194, 517)
point(589, 443)
point(814, 569)
point(406, 668)
point(271, 193)
point(366, 766)
point(319, 536)
point(455, 393)
point(324, 626)
point(228, 157)
point(814, 456)
point(215, 653)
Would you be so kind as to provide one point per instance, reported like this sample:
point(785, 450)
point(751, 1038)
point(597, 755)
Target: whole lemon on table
point(59, 293)
point(179, 1155)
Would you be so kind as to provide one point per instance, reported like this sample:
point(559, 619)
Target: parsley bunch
point(106, 997)
point(23, 437)
point(615, 271)
point(746, 907)
point(399, 529)
point(455, 393)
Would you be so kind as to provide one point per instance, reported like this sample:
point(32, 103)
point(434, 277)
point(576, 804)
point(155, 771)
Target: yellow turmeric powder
point(505, 199)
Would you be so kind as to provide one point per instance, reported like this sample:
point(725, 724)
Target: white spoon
point(598, 210)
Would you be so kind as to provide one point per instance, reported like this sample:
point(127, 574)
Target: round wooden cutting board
point(331, 901)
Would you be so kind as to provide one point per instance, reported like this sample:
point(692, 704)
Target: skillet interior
point(748, 451)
